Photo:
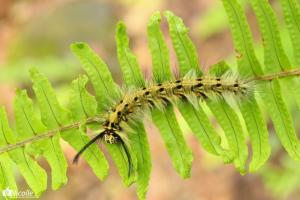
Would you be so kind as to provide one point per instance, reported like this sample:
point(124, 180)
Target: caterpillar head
point(111, 137)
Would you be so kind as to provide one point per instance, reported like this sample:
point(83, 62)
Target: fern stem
point(282, 74)
point(47, 134)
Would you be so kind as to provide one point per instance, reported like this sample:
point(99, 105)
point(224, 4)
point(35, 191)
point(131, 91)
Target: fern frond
point(132, 76)
point(127, 143)
point(165, 119)
point(98, 73)
point(105, 90)
point(248, 65)
point(230, 123)
point(291, 11)
point(34, 175)
point(275, 60)
point(82, 106)
point(27, 125)
point(6, 174)
point(188, 60)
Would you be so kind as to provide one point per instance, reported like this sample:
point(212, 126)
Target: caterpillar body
point(159, 95)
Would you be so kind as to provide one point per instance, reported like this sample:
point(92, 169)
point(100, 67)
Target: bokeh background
point(38, 33)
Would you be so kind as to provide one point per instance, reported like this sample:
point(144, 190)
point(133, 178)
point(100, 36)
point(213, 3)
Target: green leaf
point(281, 117)
point(184, 48)
point(248, 64)
point(274, 54)
point(204, 131)
point(130, 68)
point(158, 49)
point(7, 179)
point(118, 155)
point(83, 105)
point(291, 11)
point(275, 57)
point(243, 41)
point(231, 125)
point(166, 120)
point(6, 137)
point(105, 89)
point(34, 175)
point(98, 73)
point(28, 124)
point(275, 60)
point(256, 126)
point(132, 76)
point(196, 118)
point(53, 114)
point(181, 155)
point(141, 148)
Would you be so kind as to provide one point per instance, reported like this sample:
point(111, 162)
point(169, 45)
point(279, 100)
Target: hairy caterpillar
point(159, 95)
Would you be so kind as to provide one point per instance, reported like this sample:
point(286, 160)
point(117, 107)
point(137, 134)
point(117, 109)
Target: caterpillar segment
point(158, 96)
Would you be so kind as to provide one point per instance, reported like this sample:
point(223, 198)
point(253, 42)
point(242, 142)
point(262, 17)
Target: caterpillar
point(159, 95)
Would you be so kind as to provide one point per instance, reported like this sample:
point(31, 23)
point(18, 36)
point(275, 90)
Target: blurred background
point(38, 33)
